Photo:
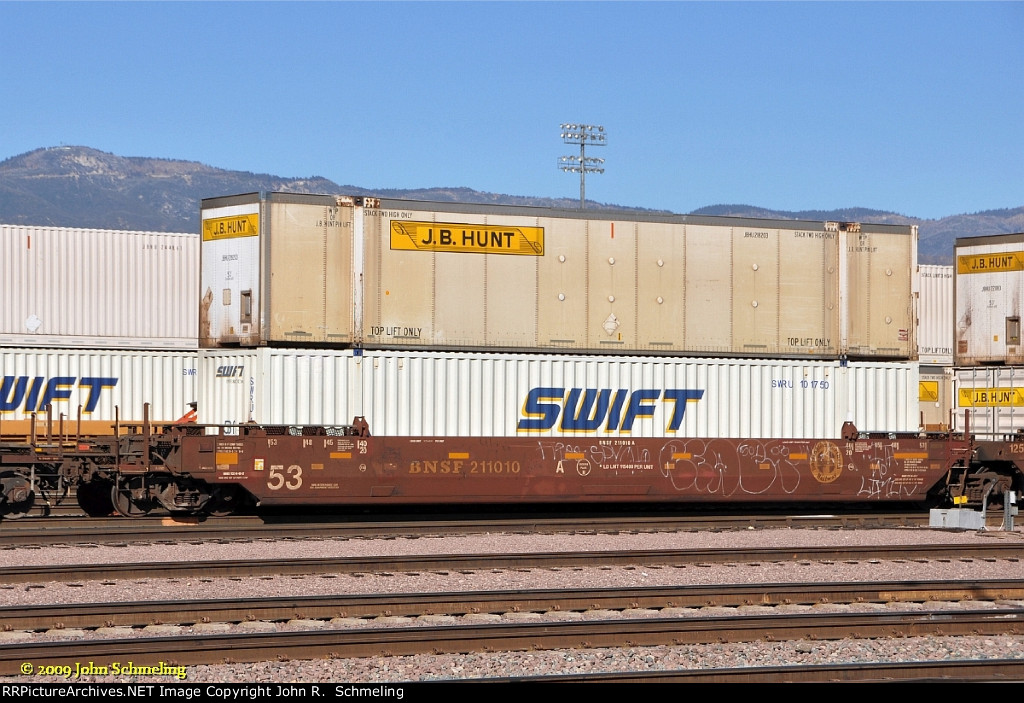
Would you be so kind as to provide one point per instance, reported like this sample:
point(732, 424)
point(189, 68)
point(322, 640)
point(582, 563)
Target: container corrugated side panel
point(277, 386)
point(935, 315)
point(309, 389)
point(165, 380)
point(994, 397)
point(68, 287)
point(883, 396)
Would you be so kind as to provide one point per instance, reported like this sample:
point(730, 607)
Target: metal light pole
point(582, 134)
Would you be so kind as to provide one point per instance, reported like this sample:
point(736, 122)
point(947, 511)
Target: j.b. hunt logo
point(593, 409)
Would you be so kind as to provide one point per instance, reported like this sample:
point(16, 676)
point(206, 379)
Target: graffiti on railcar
point(698, 466)
point(723, 467)
point(892, 472)
point(610, 456)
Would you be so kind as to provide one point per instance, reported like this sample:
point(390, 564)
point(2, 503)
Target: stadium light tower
point(582, 134)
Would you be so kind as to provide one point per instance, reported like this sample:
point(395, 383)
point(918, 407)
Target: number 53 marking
point(290, 478)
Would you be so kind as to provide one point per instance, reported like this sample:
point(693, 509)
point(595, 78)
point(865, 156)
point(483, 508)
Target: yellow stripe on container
point(988, 263)
point(991, 397)
point(217, 228)
point(458, 237)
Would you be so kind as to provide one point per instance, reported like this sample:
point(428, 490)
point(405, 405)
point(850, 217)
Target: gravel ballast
point(510, 664)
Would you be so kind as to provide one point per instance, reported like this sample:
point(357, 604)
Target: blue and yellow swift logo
point(604, 409)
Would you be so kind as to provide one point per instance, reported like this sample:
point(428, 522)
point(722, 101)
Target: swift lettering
point(591, 409)
point(34, 393)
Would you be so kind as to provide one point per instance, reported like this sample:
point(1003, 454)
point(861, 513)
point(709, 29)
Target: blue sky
point(912, 107)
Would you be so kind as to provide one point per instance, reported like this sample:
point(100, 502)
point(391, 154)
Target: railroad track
point(608, 631)
point(262, 646)
point(140, 614)
point(444, 563)
point(401, 641)
point(79, 530)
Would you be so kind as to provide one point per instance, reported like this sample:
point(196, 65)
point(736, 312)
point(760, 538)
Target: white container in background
point(935, 316)
point(67, 287)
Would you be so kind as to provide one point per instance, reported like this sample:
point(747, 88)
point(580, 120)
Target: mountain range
point(76, 186)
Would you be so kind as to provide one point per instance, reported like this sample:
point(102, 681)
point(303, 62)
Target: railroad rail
point(281, 609)
point(76, 531)
point(1009, 551)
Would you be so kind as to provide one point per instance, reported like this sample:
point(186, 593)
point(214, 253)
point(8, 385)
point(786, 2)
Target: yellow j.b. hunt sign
point(991, 397)
point(467, 238)
point(229, 227)
point(991, 263)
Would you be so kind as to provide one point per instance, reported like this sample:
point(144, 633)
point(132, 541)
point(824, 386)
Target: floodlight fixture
point(583, 135)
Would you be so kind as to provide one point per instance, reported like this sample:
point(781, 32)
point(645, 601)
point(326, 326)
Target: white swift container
point(529, 395)
point(104, 384)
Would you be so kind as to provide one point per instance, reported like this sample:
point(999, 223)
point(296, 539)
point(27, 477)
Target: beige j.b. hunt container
point(339, 271)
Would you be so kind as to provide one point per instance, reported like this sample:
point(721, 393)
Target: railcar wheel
point(18, 496)
point(128, 497)
point(224, 501)
point(94, 498)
